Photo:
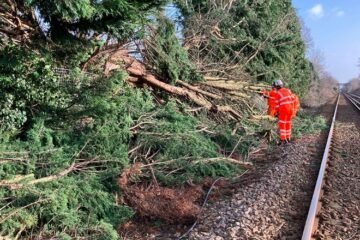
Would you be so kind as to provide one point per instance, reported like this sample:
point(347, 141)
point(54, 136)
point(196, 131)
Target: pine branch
point(14, 212)
point(79, 165)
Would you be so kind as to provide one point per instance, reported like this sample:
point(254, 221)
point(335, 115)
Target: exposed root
point(171, 205)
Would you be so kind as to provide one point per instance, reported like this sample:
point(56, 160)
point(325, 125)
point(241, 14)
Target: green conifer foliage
point(168, 57)
point(28, 85)
point(81, 202)
point(65, 141)
point(263, 37)
point(94, 134)
point(85, 17)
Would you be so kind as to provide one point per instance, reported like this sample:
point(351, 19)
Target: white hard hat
point(278, 83)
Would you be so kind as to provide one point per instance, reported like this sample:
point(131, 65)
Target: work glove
point(264, 93)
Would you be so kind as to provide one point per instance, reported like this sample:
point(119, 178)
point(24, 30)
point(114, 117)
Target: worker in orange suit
point(296, 104)
point(272, 102)
point(285, 103)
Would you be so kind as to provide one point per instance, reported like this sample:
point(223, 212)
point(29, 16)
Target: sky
point(335, 29)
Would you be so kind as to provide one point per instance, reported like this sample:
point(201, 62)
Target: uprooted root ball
point(170, 205)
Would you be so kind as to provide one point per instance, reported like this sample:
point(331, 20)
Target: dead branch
point(265, 117)
point(3, 219)
point(195, 109)
point(198, 90)
point(78, 165)
point(225, 159)
point(54, 177)
point(137, 69)
point(239, 94)
point(14, 157)
point(208, 78)
point(207, 160)
point(16, 24)
point(13, 184)
point(12, 160)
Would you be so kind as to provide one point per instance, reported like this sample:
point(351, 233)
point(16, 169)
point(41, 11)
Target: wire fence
point(68, 77)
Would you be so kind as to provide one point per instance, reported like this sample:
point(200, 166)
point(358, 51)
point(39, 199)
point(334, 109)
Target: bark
point(139, 74)
point(79, 165)
point(196, 89)
point(12, 184)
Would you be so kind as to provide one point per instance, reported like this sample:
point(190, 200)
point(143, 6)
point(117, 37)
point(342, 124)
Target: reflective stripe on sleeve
point(283, 98)
point(287, 102)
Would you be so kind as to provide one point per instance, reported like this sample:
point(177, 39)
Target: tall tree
point(22, 20)
point(64, 136)
point(247, 39)
point(38, 35)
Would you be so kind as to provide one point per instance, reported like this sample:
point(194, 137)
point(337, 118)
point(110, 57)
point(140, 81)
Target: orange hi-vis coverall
point(296, 104)
point(273, 104)
point(286, 112)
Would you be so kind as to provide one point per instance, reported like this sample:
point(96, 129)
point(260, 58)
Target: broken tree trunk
point(139, 74)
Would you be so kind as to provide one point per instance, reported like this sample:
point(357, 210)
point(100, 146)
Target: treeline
point(324, 87)
point(88, 88)
point(353, 85)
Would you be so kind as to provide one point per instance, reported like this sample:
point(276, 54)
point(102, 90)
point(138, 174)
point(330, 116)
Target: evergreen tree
point(262, 38)
point(63, 145)
point(64, 139)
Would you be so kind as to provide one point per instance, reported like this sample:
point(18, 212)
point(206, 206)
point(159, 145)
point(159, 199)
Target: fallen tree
point(252, 40)
point(96, 87)
point(139, 75)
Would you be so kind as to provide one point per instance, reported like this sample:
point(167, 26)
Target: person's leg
point(287, 121)
point(282, 126)
point(289, 128)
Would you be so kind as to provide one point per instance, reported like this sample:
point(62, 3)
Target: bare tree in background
point(353, 85)
point(324, 86)
point(306, 35)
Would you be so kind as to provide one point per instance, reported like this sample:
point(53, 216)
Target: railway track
point(354, 99)
point(275, 205)
point(319, 223)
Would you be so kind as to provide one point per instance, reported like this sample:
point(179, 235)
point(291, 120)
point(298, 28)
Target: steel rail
point(311, 221)
point(353, 95)
point(355, 102)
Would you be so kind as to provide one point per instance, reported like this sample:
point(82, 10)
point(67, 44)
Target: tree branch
point(76, 166)
point(3, 219)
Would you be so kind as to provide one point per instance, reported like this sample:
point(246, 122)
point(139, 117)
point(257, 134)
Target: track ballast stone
point(275, 207)
point(340, 213)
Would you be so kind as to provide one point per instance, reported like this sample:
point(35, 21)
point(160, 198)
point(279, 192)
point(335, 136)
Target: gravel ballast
point(340, 213)
point(275, 207)
point(270, 201)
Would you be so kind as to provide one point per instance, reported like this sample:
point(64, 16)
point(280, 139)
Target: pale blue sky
point(335, 30)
